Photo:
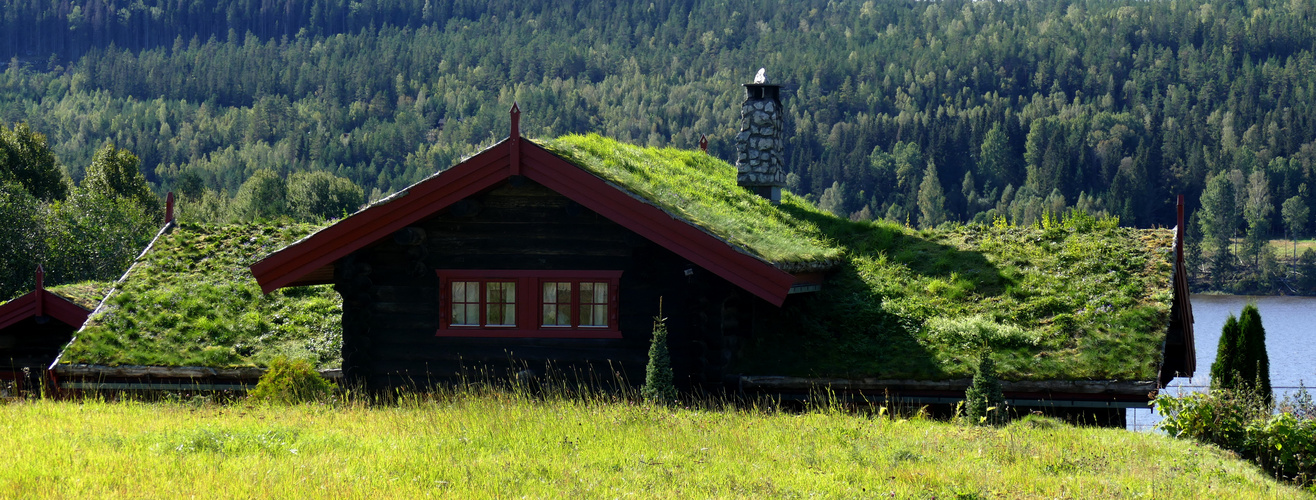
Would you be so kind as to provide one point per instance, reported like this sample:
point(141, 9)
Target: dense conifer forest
point(919, 112)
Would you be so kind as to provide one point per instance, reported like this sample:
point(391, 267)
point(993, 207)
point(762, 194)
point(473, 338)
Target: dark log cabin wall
point(391, 308)
point(32, 343)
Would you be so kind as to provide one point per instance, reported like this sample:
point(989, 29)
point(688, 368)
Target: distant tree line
point(93, 230)
point(919, 112)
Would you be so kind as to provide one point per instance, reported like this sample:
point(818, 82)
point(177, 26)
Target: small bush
point(291, 382)
point(1241, 421)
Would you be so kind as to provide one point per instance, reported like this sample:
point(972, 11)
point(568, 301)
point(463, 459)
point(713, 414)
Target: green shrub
point(1240, 421)
point(291, 382)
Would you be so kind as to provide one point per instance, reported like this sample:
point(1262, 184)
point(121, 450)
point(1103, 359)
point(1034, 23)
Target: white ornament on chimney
point(760, 77)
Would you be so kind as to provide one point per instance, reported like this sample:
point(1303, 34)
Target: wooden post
point(40, 291)
point(169, 207)
point(514, 139)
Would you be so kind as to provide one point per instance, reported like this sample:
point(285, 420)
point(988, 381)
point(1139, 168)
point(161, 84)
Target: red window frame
point(529, 309)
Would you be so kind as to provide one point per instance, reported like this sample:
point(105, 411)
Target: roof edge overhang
point(305, 262)
point(42, 303)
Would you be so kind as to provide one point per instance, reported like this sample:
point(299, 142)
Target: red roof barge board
point(303, 263)
point(40, 302)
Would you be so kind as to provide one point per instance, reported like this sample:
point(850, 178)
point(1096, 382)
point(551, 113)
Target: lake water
point(1290, 341)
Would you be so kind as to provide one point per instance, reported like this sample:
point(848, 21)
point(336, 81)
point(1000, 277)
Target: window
point(566, 304)
point(581, 304)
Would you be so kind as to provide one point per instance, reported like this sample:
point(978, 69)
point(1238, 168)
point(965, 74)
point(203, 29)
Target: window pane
point(502, 315)
point(594, 315)
point(465, 300)
point(550, 315)
point(557, 303)
point(600, 293)
point(500, 303)
point(459, 314)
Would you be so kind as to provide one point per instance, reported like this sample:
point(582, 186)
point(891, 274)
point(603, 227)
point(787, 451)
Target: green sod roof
point(86, 295)
point(1080, 299)
point(191, 301)
point(702, 189)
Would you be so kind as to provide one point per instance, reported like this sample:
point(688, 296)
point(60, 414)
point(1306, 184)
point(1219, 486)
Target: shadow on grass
point(849, 328)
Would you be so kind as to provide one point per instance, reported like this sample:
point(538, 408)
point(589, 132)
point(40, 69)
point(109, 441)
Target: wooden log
point(781, 383)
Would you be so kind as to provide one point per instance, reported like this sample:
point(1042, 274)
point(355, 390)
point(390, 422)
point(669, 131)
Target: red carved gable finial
point(516, 122)
point(169, 207)
point(39, 293)
point(703, 143)
point(514, 140)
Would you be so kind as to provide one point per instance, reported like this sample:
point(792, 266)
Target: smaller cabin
point(34, 328)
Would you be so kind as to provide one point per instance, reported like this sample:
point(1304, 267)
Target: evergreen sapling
point(659, 383)
point(984, 402)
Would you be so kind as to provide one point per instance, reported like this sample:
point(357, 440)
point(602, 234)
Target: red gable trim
point(421, 200)
point(42, 303)
point(492, 166)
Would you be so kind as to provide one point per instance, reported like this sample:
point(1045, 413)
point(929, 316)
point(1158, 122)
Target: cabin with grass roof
point(188, 316)
point(536, 257)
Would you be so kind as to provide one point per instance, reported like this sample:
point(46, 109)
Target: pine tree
point(659, 382)
point(984, 402)
point(1224, 371)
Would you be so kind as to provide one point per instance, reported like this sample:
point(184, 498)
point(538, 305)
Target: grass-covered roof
point(87, 294)
point(1071, 298)
point(702, 189)
point(191, 301)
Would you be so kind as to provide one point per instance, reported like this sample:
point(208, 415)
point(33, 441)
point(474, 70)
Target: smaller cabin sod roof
point(69, 304)
point(190, 301)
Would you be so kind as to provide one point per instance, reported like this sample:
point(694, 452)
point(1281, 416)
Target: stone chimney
point(760, 163)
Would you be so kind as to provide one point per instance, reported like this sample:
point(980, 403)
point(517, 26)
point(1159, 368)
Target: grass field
point(499, 445)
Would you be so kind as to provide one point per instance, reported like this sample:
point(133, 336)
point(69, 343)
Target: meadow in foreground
point(496, 444)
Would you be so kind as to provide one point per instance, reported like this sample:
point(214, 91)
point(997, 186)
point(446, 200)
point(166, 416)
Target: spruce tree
point(1254, 363)
point(659, 385)
point(1224, 371)
point(984, 402)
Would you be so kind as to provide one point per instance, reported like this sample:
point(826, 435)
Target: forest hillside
point(917, 112)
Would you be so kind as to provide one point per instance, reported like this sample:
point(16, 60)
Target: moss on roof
point(702, 189)
point(86, 295)
point(191, 301)
point(1076, 299)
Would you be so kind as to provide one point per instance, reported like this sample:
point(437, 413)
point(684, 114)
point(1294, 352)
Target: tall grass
point(498, 443)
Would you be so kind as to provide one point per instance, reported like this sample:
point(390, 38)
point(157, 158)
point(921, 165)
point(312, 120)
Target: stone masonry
point(759, 145)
